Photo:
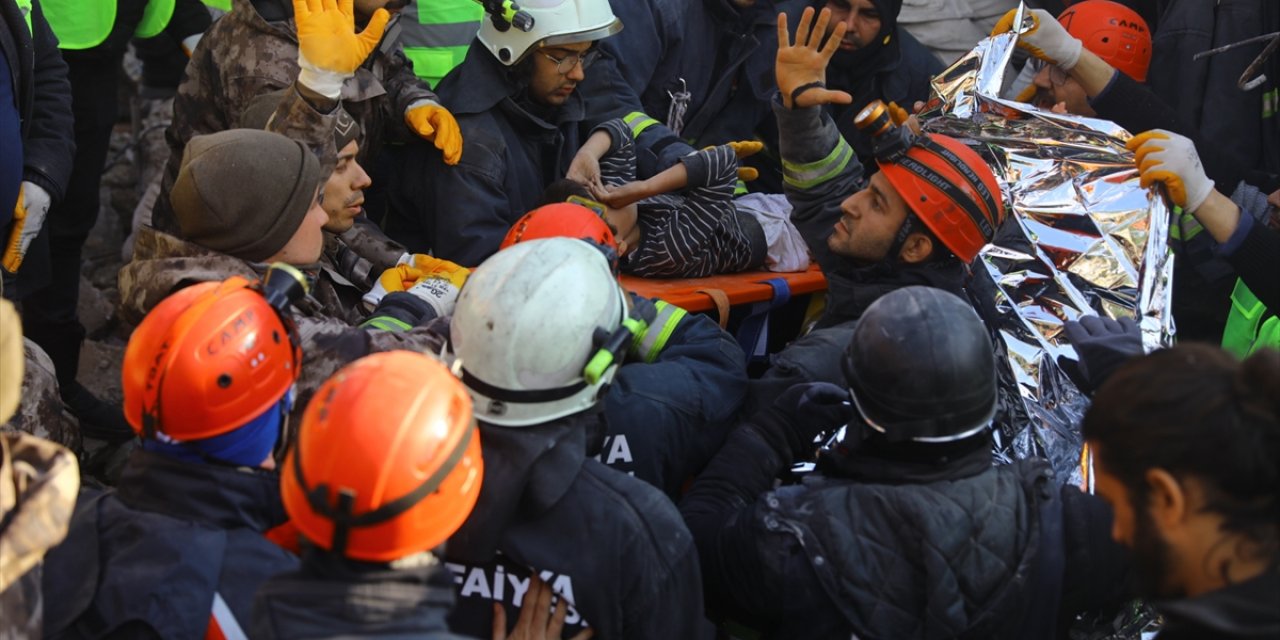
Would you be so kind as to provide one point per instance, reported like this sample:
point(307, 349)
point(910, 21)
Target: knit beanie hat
point(258, 115)
point(244, 192)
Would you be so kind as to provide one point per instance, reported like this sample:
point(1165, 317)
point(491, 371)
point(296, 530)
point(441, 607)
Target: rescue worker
point(246, 198)
point(540, 330)
point(38, 483)
point(35, 130)
point(209, 381)
point(1200, 521)
point(906, 529)
point(435, 38)
point(519, 98)
point(876, 60)
point(919, 221)
point(93, 36)
point(312, 48)
point(356, 251)
point(385, 468)
point(1084, 53)
point(670, 405)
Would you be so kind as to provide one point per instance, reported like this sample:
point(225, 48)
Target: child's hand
point(585, 168)
point(623, 195)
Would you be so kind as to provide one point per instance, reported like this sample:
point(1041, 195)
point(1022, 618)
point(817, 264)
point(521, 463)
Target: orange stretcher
point(700, 294)
point(754, 294)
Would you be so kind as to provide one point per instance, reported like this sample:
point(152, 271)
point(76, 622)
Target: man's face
point(307, 243)
point(344, 191)
point(869, 221)
point(1134, 528)
point(1056, 91)
point(550, 87)
point(862, 18)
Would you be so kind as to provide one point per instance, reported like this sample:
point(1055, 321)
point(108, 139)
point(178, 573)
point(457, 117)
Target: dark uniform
point(176, 548)
point(886, 547)
point(613, 546)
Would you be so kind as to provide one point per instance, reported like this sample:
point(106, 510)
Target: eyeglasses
point(566, 64)
point(1056, 75)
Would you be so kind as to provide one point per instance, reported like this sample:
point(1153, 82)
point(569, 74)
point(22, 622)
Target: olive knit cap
point(244, 192)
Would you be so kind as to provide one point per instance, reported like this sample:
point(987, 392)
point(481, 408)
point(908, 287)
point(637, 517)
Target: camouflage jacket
point(41, 412)
point(163, 264)
point(254, 50)
point(38, 484)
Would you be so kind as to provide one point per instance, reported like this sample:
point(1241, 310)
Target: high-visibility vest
point(84, 24)
point(223, 5)
point(1249, 326)
point(435, 35)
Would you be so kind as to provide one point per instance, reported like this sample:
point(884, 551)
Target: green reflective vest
point(1249, 327)
point(435, 37)
point(223, 5)
point(84, 24)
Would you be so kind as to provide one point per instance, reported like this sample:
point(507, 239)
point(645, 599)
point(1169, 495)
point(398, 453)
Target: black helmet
point(920, 367)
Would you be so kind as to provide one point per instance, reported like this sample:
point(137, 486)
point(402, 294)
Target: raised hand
point(801, 68)
point(329, 49)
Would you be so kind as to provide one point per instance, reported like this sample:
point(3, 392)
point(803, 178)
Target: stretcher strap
point(721, 300)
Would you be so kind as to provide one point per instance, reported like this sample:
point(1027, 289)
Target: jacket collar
point(1244, 610)
point(527, 471)
point(219, 496)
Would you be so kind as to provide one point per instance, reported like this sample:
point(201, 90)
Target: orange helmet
point(951, 190)
point(387, 459)
point(561, 219)
point(206, 360)
point(1112, 32)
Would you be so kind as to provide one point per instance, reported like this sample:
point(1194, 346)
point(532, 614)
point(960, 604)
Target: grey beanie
point(244, 192)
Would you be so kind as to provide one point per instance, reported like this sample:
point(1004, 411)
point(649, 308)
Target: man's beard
point(1152, 557)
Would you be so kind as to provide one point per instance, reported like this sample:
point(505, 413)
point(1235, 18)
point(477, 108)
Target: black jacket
point(881, 546)
point(146, 560)
point(44, 98)
point(1250, 609)
point(329, 597)
point(613, 545)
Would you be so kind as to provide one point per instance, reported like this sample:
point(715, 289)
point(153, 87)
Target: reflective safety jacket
point(436, 35)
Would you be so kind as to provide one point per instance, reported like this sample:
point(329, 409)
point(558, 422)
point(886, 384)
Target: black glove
point(402, 309)
point(1102, 345)
point(800, 415)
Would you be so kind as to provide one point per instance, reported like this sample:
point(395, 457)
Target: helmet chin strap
point(908, 226)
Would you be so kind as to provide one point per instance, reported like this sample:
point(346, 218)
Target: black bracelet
point(795, 93)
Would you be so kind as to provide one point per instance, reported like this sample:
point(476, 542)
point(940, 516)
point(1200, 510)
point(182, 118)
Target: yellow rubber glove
point(897, 114)
point(1171, 159)
point(1047, 39)
point(329, 49)
point(29, 214)
point(432, 267)
point(745, 149)
point(433, 122)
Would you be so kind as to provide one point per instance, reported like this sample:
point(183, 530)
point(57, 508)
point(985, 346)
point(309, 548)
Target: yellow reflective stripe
point(649, 344)
point(1271, 102)
point(385, 323)
point(432, 64)
point(739, 188)
point(811, 174)
point(78, 24)
point(638, 122)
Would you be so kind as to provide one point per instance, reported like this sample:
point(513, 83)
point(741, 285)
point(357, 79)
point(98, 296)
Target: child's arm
point(585, 167)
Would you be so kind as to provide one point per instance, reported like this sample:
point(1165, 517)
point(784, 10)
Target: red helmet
point(1112, 32)
point(206, 360)
point(562, 219)
point(951, 190)
point(387, 460)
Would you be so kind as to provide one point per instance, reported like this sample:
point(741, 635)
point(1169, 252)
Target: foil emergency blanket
point(1081, 237)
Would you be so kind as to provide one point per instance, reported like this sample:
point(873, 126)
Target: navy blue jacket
point(146, 560)
point(512, 149)
point(44, 100)
point(613, 546)
point(666, 419)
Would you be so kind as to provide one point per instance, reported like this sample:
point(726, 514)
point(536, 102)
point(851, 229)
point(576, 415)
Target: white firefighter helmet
point(554, 22)
point(527, 323)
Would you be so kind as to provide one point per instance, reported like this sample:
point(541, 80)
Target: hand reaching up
point(801, 67)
